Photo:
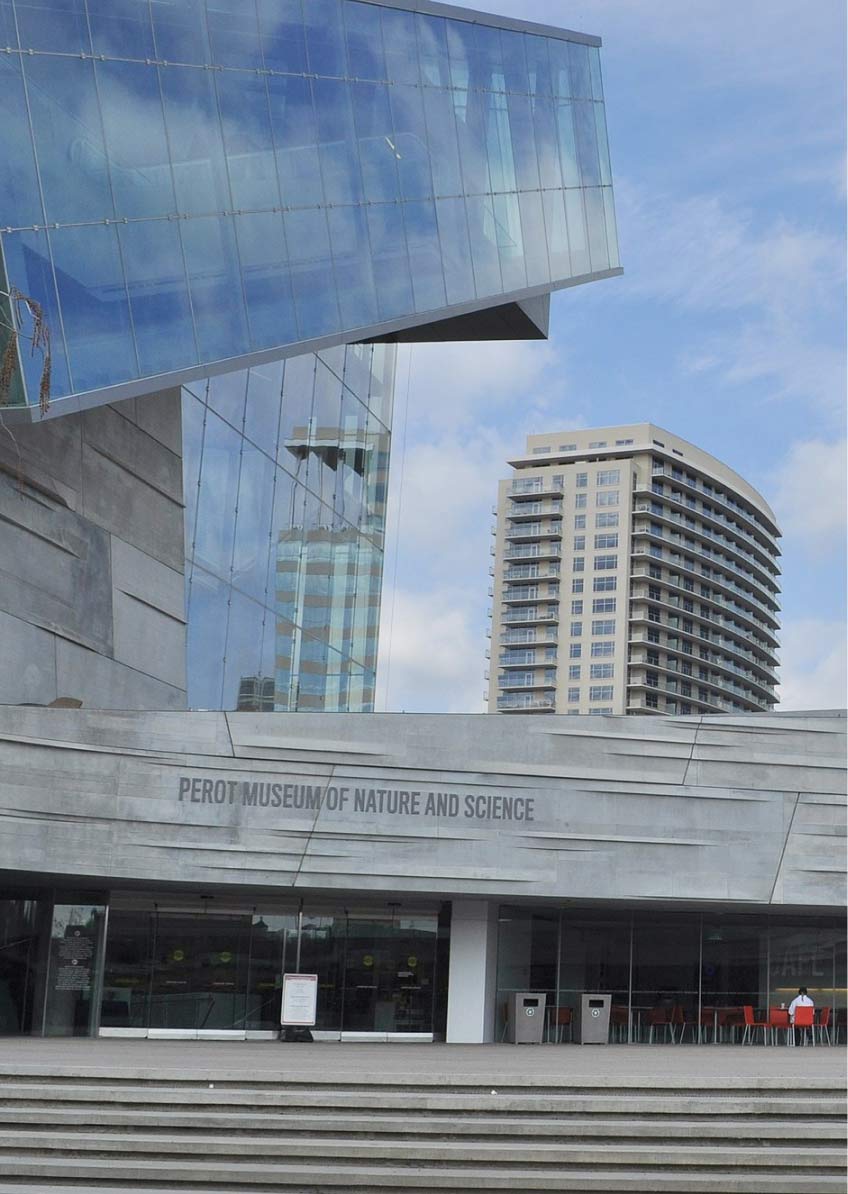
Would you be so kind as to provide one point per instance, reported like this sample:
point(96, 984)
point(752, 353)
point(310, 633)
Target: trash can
point(591, 1022)
point(525, 1018)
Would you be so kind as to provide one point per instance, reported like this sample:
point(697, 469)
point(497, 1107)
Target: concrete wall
point(744, 811)
point(92, 558)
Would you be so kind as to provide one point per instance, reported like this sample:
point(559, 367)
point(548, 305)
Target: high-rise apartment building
point(633, 573)
point(216, 222)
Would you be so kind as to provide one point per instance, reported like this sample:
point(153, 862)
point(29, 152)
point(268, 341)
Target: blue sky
point(726, 125)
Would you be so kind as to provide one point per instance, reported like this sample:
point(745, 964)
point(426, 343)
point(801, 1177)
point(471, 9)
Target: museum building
point(160, 872)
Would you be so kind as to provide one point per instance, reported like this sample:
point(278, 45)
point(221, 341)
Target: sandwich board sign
point(300, 997)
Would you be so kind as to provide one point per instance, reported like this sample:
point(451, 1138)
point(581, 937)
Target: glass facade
point(285, 475)
point(185, 183)
point(689, 972)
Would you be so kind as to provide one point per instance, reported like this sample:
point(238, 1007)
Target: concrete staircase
point(431, 1133)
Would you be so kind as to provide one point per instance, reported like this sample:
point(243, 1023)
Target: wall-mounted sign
point(300, 998)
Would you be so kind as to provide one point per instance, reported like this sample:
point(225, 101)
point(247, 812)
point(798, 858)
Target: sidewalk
point(267, 1061)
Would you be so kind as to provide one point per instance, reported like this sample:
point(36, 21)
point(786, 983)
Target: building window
point(575, 650)
point(604, 710)
point(581, 480)
point(600, 692)
point(573, 695)
point(603, 605)
point(577, 584)
point(606, 520)
point(653, 635)
point(601, 671)
point(604, 584)
point(541, 451)
point(608, 498)
point(577, 607)
point(651, 700)
point(652, 657)
point(568, 448)
point(574, 671)
point(576, 629)
point(602, 541)
point(605, 563)
point(654, 614)
point(599, 650)
point(597, 443)
point(604, 626)
point(579, 522)
point(655, 592)
point(609, 476)
point(579, 542)
point(578, 564)
point(580, 501)
point(620, 443)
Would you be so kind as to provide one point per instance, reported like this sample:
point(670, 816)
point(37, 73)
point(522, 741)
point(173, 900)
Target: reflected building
point(222, 221)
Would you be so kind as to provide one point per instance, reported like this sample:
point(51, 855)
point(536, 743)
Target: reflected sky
point(344, 165)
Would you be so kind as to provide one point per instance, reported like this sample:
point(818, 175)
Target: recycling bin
point(525, 1021)
point(591, 1022)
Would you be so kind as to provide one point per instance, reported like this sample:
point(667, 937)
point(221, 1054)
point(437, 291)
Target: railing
point(517, 703)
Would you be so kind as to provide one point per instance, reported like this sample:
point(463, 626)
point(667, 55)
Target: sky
point(727, 136)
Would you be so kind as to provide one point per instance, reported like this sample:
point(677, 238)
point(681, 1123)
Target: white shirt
point(799, 1001)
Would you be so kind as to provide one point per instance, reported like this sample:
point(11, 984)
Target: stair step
point(315, 1178)
point(426, 1125)
point(135, 1145)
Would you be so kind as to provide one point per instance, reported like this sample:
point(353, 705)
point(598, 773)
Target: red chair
point(707, 1023)
point(619, 1018)
point(804, 1019)
point(659, 1017)
point(562, 1018)
point(779, 1022)
point(822, 1026)
point(680, 1023)
point(731, 1018)
point(752, 1026)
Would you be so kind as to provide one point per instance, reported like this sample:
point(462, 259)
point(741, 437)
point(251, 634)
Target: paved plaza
point(666, 1065)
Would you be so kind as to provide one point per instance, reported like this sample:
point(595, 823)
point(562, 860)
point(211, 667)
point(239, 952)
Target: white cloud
point(431, 657)
point(814, 664)
point(810, 495)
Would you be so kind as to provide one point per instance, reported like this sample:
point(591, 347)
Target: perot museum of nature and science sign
point(171, 867)
point(298, 796)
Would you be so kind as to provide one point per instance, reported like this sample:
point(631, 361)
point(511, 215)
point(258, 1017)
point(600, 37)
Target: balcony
point(534, 551)
point(535, 487)
point(509, 681)
point(521, 593)
point(528, 615)
point(525, 703)
point(713, 499)
point(531, 572)
point(521, 510)
point(531, 530)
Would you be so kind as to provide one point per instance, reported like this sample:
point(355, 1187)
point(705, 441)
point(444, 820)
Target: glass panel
point(425, 255)
point(206, 634)
point(193, 416)
point(567, 145)
point(391, 264)
point(527, 956)
point(234, 34)
point(376, 145)
point(578, 55)
point(325, 49)
point(128, 970)
point(595, 218)
point(323, 947)
point(510, 241)
point(282, 34)
point(242, 662)
point(21, 199)
point(577, 235)
point(225, 394)
point(410, 142)
point(263, 256)
point(337, 141)
point(666, 974)
point(389, 974)
point(68, 139)
point(296, 141)
point(483, 234)
point(264, 399)
point(557, 234)
point(29, 268)
point(121, 28)
point(433, 50)
point(196, 141)
point(273, 950)
point(534, 239)
point(213, 546)
point(76, 941)
point(158, 295)
point(95, 308)
point(442, 142)
point(199, 971)
point(456, 251)
point(57, 25)
point(179, 30)
point(253, 525)
point(523, 143)
point(807, 955)
point(364, 41)
point(214, 280)
point(586, 136)
point(135, 139)
point(352, 265)
point(20, 938)
point(400, 46)
point(312, 280)
point(246, 123)
point(595, 957)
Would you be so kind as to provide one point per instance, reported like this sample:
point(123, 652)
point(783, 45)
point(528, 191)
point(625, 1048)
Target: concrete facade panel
point(102, 682)
point(456, 806)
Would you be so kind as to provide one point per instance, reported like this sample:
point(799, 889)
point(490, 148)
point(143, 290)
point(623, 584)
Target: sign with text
point(300, 997)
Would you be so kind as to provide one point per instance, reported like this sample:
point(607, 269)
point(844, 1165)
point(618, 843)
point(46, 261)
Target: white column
point(472, 975)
